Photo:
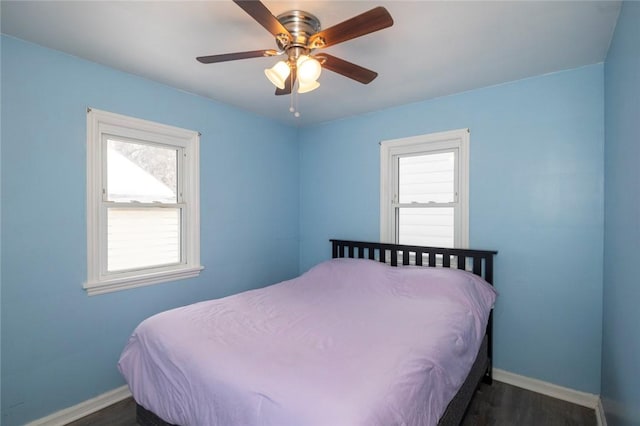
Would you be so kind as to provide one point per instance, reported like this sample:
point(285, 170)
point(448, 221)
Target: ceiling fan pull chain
point(294, 102)
point(291, 108)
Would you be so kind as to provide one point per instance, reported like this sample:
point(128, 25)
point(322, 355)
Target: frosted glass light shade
point(307, 86)
point(278, 74)
point(309, 69)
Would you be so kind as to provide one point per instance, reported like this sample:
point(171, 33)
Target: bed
point(370, 337)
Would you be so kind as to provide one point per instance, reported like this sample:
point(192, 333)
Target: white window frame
point(391, 150)
point(101, 124)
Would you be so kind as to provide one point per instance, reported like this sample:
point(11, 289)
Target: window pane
point(425, 178)
point(139, 238)
point(428, 226)
point(139, 172)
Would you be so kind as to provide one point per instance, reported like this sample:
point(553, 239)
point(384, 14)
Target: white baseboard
point(83, 409)
point(566, 394)
point(600, 416)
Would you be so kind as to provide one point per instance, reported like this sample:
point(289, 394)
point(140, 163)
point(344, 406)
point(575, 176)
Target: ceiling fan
point(298, 35)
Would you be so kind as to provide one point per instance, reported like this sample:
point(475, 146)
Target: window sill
point(124, 283)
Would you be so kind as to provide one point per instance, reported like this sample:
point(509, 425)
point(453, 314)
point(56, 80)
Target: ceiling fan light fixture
point(307, 86)
point(309, 69)
point(278, 74)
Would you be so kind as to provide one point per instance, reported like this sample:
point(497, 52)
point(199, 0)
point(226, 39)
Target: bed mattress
point(350, 342)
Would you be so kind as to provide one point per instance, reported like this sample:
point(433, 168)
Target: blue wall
point(621, 318)
point(59, 346)
point(536, 195)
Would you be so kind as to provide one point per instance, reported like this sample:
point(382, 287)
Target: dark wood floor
point(496, 405)
point(502, 404)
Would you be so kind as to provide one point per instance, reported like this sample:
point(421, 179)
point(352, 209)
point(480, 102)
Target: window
point(424, 190)
point(142, 203)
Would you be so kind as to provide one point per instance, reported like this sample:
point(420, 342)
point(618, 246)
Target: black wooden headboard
point(480, 262)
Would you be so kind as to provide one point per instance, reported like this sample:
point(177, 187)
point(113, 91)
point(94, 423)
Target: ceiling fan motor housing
point(302, 25)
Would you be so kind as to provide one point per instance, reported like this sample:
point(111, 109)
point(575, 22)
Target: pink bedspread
point(351, 342)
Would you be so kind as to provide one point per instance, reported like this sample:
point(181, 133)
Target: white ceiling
point(434, 48)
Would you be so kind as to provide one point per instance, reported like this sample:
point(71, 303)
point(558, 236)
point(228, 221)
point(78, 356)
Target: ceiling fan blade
point(235, 56)
point(347, 69)
point(263, 16)
point(288, 85)
point(365, 23)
